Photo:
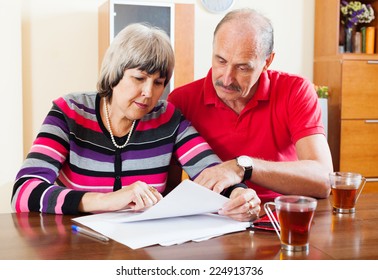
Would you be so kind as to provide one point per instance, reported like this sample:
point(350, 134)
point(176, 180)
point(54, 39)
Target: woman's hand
point(244, 205)
point(142, 195)
point(136, 196)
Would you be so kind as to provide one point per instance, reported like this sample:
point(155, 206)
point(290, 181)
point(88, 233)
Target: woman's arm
point(35, 188)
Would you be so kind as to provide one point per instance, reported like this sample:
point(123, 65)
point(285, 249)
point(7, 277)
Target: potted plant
point(322, 92)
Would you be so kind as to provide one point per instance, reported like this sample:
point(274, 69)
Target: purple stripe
point(158, 107)
point(184, 125)
point(37, 171)
point(52, 120)
point(147, 153)
point(83, 107)
point(90, 154)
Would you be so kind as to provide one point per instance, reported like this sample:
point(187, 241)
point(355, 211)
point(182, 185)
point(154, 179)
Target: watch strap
point(247, 173)
point(227, 192)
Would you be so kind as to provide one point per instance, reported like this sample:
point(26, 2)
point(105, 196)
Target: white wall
point(11, 98)
point(58, 43)
point(293, 23)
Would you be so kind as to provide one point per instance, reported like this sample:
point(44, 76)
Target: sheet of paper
point(181, 216)
point(166, 232)
point(188, 198)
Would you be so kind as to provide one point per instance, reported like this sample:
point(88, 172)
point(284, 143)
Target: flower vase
point(348, 40)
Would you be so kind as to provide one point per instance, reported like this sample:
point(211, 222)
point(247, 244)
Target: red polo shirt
point(283, 110)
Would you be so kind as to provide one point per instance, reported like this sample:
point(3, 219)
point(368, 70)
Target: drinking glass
point(295, 214)
point(346, 188)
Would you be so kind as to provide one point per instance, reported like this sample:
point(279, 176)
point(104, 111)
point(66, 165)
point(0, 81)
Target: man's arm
point(308, 176)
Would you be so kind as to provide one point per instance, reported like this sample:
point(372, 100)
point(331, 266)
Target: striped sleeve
point(35, 188)
point(192, 151)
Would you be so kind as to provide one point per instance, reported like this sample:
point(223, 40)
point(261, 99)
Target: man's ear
point(269, 61)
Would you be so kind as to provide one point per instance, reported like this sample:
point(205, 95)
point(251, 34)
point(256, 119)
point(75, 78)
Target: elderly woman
point(111, 150)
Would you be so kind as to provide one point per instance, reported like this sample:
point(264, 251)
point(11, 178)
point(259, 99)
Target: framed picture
point(123, 13)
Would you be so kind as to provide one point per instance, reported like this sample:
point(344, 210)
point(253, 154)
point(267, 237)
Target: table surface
point(28, 236)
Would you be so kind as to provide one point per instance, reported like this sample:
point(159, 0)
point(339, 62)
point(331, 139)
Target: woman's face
point(137, 93)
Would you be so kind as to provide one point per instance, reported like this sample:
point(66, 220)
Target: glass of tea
point(346, 187)
point(295, 214)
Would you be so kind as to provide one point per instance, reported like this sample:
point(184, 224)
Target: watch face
point(217, 6)
point(245, 161)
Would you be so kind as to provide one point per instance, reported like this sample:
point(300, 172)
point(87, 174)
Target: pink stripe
point(83, 180)
point(60, 201)
point(93, 125)
point(87, 183)
point(50, 143)
point(48, 152)
point(86, 187)
point(155, 179)
point(195, 151)
point(154, 123)
point(23, 196)
point(190, 145)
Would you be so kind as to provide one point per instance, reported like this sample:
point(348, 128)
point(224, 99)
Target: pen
point(90, 233)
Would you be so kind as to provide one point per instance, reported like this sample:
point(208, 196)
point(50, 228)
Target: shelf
point(357, 28)
point(328, 27)
point(353, 89)
point(359, 56)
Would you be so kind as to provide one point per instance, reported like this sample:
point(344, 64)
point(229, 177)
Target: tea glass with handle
point(346, 188)
point(295, 214)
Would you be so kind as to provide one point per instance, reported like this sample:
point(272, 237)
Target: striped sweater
point(73, 154)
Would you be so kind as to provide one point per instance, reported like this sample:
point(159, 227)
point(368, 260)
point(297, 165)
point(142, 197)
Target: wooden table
point(333, 236)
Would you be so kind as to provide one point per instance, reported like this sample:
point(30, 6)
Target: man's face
point(236, 64)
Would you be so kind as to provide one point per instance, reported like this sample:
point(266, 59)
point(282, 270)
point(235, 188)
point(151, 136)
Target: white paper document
point(181, 216)
point(188, 198)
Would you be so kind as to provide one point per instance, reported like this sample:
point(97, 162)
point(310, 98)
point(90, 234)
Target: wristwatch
point(246, 163)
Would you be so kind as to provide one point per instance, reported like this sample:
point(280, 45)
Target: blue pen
point(90, 233)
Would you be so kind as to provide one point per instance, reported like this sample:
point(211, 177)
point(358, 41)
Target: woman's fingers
point(145, 196)
point(244, 205)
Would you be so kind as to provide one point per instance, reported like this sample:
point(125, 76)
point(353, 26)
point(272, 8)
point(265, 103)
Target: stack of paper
point(183, 215)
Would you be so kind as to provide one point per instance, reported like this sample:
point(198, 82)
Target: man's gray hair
point(257, 21)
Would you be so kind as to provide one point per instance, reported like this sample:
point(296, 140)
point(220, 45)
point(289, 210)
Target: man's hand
point(221, 176)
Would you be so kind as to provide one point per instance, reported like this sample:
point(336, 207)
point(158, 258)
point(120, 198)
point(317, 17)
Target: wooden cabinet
point(353, 103)
point(359, 82)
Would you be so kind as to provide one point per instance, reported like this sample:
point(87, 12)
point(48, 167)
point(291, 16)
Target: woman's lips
point(141, 105)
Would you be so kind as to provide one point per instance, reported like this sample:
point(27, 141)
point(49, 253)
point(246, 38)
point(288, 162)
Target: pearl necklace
point(110, 129)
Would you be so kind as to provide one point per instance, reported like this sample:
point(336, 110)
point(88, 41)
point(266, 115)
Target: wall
point(11, 98)
point(293, 23)
point(59, 47)
point(58, 43)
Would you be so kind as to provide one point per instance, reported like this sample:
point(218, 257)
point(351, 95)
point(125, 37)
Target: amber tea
point(346, 188)
point(295, 214)
point(344, 197)
point(295, 226)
